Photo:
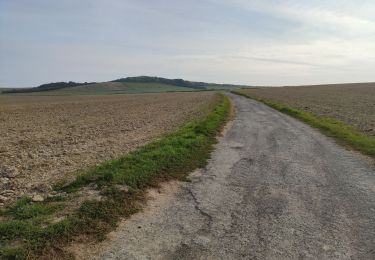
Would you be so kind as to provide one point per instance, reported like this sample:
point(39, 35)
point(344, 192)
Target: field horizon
point(137, 85)
point(129, 85)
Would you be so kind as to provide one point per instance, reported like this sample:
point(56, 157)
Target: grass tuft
point(13, 253)
point(24, 208)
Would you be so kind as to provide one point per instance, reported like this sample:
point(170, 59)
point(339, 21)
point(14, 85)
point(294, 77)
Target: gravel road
point(274, 189)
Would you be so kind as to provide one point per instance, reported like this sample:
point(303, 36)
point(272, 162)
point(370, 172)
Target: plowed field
point(47, 138)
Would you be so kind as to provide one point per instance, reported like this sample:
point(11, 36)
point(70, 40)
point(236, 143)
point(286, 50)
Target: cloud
point(238, 41)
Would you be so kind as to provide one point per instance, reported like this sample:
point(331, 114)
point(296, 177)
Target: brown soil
point(353, 104)
point(46, 139)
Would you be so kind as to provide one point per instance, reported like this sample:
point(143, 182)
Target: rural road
point(274, 189)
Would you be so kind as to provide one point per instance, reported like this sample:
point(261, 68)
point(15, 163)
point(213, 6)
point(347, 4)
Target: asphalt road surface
point(274, 189)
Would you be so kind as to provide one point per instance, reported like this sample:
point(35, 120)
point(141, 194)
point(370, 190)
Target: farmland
point(47, 139)
point(353, 104)
point(122, 88)
point(107, 88)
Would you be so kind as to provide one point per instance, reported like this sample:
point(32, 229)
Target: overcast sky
point(255, 42)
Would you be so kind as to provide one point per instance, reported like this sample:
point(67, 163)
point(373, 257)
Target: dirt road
point(274, 189)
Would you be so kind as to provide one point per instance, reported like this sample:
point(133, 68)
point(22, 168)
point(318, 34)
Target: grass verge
point(28, 229)
point(341, 132)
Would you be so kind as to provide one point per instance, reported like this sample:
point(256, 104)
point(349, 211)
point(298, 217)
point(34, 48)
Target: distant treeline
point(46, 87)
point(174, 82)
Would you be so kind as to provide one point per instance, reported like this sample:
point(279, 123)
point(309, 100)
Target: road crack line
point(198, 208)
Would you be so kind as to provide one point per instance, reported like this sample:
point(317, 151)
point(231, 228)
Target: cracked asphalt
point(274, 189)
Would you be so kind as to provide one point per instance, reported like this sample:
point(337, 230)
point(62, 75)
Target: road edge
point(343, 134)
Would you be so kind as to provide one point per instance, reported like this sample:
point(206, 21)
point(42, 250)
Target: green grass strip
point(341, 132)
point(174, 156)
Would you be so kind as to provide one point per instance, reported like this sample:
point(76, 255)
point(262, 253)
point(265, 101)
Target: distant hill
point(176, 82)
point(46, 87)
point(117, 88)
point(4, 89)
point(142, 84)
point(173, 82)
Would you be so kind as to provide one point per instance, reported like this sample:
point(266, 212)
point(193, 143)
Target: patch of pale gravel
point(44, 139)
point(157, 199)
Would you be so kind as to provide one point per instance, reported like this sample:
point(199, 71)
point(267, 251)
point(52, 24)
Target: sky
point(253, 42)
